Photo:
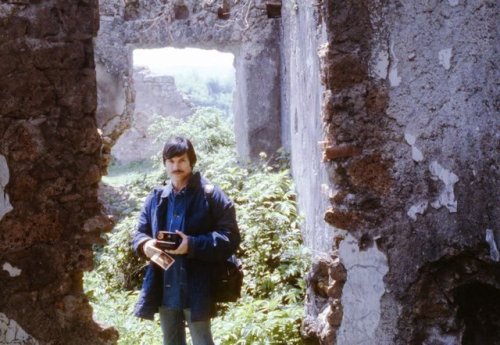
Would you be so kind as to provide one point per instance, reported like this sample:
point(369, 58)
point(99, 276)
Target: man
point(204, 218)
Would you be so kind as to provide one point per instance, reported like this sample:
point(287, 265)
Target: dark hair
point(177, 147)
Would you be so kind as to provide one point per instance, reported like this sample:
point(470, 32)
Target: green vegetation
point(275, 261)
point(205, 90)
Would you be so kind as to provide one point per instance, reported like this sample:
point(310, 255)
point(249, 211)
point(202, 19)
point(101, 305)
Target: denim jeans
point(172, 324)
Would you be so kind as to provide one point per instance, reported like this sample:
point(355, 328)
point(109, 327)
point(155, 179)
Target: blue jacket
point(213, 237)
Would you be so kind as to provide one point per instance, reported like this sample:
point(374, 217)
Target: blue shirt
point(176, 291)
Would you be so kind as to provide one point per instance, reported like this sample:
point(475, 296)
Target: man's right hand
point(149, 248)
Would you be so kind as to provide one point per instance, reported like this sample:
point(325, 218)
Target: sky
point(168, 60)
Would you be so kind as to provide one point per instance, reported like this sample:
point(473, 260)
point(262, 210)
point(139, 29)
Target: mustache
point(177, 171)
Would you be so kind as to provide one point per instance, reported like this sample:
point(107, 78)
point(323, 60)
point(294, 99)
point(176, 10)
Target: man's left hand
point(183, 247)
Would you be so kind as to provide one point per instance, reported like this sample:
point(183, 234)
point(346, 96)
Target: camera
point(168, 240)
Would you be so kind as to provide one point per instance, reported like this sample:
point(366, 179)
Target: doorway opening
point(185, 92)
point(172, 85)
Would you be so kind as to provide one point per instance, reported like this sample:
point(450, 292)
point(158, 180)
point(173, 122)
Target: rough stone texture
point(49, 168)
point(112, 101)
point(154, 96)
point(411, 124)
point(158, 95)
point(410, 142)
point(240, 27)
point(323, 304)
point(446, 99)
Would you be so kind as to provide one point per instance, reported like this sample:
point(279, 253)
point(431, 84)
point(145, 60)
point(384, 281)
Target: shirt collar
point(194, 181)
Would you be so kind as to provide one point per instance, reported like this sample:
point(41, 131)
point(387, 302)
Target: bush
point(274, 259)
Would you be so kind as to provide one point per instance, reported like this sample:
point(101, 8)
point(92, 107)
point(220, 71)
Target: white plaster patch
point(416, 154)
point(447, 196)
point(418, 208)
point(410, 138)
point(444, 57)
point(490, 238)
point(325, 189)
point(381, 65)
point(5, 206)
point(13, 271)
point(362, 292)
point(453, 2)
point(12, 333)
point(394, 79)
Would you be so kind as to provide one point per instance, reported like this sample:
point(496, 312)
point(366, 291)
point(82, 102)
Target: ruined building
point(390, 112)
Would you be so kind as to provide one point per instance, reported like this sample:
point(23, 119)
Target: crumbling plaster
point(244, 29)
point(362, 292)
point(446, 99)
point(11, 333)
point(410, 117)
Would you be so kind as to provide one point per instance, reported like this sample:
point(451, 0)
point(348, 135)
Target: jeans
point(174, 330)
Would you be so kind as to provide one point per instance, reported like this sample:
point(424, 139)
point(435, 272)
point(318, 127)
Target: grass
point(122, 174)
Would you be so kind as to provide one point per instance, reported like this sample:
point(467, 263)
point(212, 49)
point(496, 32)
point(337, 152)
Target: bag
point(227, 280)
point(227, 276)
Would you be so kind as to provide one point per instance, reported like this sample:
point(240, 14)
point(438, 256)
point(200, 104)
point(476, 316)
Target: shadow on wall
point(479, 311)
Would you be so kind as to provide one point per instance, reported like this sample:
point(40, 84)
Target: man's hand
point(149, 248)
point(183, 247)
point(156, 255)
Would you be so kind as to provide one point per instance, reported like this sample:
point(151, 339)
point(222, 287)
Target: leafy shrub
point(115, 308)
point(259, 321)
point(274, 259)
point(210, 91)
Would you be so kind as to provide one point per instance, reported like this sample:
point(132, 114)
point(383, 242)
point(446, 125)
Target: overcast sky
point(168, 60)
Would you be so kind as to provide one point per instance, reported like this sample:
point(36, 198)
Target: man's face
point(178, 167)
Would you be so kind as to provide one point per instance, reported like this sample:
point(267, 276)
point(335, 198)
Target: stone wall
point(154, 96)
point(239, 27)
point(410, 122)
point(49, 170)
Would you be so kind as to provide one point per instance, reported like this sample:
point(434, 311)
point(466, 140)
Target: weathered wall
point(154, 96)
point(49, 170)
point(444, 102)
point(240, 27)
point(302, 36)
point(410, 129)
